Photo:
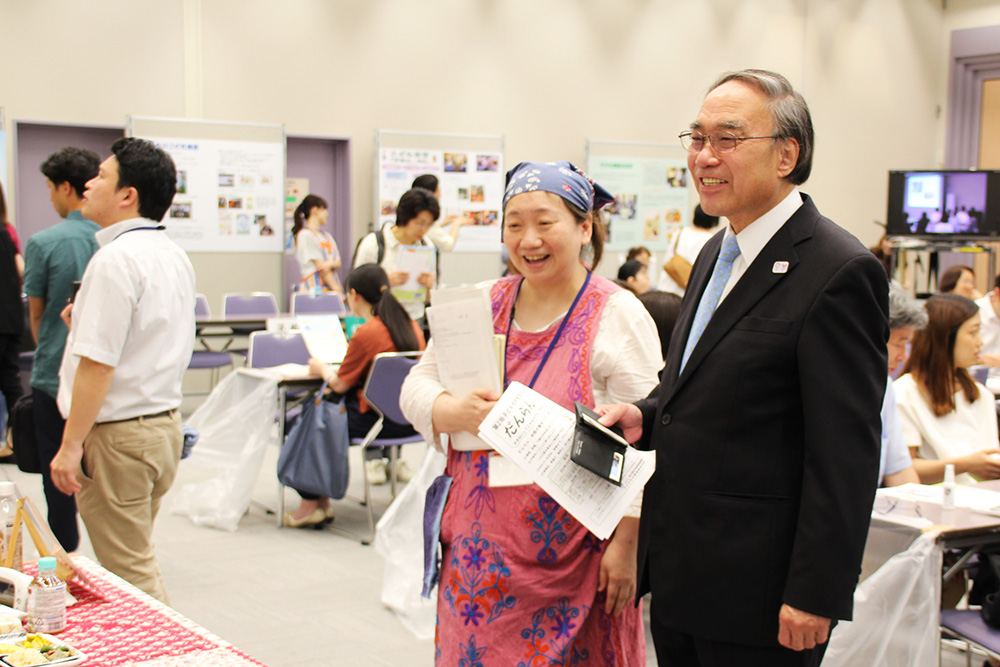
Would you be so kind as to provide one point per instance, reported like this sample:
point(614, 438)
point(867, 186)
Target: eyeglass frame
point(690, 135)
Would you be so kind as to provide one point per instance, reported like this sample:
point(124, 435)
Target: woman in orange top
point(387, 328)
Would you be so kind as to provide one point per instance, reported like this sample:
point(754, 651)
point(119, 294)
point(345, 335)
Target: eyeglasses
point(722, 142)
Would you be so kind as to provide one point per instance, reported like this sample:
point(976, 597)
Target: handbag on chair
point(314, 456)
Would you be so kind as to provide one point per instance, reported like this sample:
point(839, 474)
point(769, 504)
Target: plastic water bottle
point(46, 599)
point(8, 516)
point(948, 488)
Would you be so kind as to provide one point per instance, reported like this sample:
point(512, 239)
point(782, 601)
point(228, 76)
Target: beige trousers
point(127, 468)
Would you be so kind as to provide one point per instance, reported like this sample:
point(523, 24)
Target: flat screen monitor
point(957, 204)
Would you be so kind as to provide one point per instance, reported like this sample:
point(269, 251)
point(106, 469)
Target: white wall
point(547, 75)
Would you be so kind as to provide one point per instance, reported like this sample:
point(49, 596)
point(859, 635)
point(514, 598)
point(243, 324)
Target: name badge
point(780, 267)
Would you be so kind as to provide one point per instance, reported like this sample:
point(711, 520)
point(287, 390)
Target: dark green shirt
point(53, 260)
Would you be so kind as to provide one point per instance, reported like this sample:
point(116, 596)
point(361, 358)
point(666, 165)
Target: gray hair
point(904, 310)
point(789, 112)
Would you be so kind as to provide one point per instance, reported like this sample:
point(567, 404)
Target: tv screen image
point(944, 203)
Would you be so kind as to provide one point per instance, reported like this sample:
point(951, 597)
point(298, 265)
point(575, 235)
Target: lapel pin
point(780, 267)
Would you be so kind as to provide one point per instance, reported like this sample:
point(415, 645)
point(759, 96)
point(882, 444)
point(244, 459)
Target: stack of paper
point(536, 434)
point(324, 337)
point(414, 260)
point(461, 322)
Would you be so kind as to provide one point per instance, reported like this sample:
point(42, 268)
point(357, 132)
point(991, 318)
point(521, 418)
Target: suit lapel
point(759, 278)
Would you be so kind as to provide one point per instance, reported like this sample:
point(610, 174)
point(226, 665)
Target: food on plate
point(24, 657)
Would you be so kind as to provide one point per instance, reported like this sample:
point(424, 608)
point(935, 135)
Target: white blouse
point(625, 363)
point(969, 428)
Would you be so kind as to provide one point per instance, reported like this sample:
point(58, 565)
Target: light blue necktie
point(710, 299)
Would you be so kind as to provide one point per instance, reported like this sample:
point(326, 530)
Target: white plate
point(77, 659)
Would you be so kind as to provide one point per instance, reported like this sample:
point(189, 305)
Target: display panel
point(962, 204)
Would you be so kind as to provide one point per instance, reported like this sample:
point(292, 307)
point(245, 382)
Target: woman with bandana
point(522, 582)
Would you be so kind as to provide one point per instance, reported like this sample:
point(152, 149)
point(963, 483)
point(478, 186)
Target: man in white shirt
point(131, 338)
point(989, 313)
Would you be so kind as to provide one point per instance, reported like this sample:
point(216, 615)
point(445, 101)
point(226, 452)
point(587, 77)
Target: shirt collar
point(756, 235)
point(75, 215)
point(109, 234)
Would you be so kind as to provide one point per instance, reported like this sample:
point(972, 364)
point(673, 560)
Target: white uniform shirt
point(135, 312)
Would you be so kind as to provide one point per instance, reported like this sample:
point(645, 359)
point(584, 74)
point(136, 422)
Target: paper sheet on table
point(461, 322)
point(324, 337)
point(537, 434)
point(414, 260)
point(984, 501)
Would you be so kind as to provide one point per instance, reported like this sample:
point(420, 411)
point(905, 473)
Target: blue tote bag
point(314, 457)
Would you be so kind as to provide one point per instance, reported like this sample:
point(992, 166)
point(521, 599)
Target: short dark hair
point(789, 112)
point(629, 269)
point(148, 169)
point(413, 202)
point(636, 251)
point(949, 279)
point(703, 220)
point(71, 165)
point(663, 307)
point(426, 181)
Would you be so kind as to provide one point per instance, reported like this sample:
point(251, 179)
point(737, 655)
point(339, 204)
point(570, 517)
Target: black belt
point(165, 413)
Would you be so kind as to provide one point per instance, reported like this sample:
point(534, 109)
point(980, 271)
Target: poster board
point(3, 162)
point(470, 173)
point(652, 189)
point(230, 183)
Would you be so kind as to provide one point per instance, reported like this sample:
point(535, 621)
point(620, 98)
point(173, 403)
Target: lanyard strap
point(552, 344)
point(158, 228)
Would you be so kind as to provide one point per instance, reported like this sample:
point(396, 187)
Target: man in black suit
point(766, 420)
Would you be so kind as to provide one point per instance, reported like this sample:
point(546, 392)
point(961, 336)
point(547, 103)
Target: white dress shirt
point(756, 235)
point(135, 312)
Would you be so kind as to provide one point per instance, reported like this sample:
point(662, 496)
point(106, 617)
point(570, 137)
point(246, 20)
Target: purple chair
point(273, 349)
point(207, 358)
point(967, 625)
point(252, 303)
point(323, 303)
point(385, 380)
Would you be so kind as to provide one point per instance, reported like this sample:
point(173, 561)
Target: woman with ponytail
point(387, 328)
point(315, 249)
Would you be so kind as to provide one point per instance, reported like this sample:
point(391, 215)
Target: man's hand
point(426, 280)
point(625, 415)
point(65, 466)
point(67, 315)
point(617, 573)
point(397, 278)
point(800, 630)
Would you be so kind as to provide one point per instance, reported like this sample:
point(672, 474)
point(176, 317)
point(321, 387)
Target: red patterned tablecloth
point(116, 625)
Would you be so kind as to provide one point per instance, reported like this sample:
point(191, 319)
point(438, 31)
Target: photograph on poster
point(677, 177)
point(182, 182)
point(227, 180)
point(487, 162)
point(476, 193)
point(455, 161)
point(264, 229)
point(236, 202)
point(243, 224)
point(463, 194)
point(388, 207)
point(223, 202)
point(180, 210)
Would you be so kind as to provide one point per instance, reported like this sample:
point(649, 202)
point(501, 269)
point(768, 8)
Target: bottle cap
point(8, 489)
point(949, 473)
point(47, 564)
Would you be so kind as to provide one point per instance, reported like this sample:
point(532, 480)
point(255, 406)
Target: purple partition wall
point(33, 143)
point(326, 162)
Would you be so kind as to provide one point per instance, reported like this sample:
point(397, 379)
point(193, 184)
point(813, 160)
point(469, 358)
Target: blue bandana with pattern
point(560, 178)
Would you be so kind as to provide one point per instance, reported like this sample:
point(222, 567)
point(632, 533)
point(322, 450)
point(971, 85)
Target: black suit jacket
point(767, 445)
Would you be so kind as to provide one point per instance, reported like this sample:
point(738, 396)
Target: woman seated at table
point(960, 280)
point(947, 417)
point(554, 589)
point(387, 328)
point(315, 249)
